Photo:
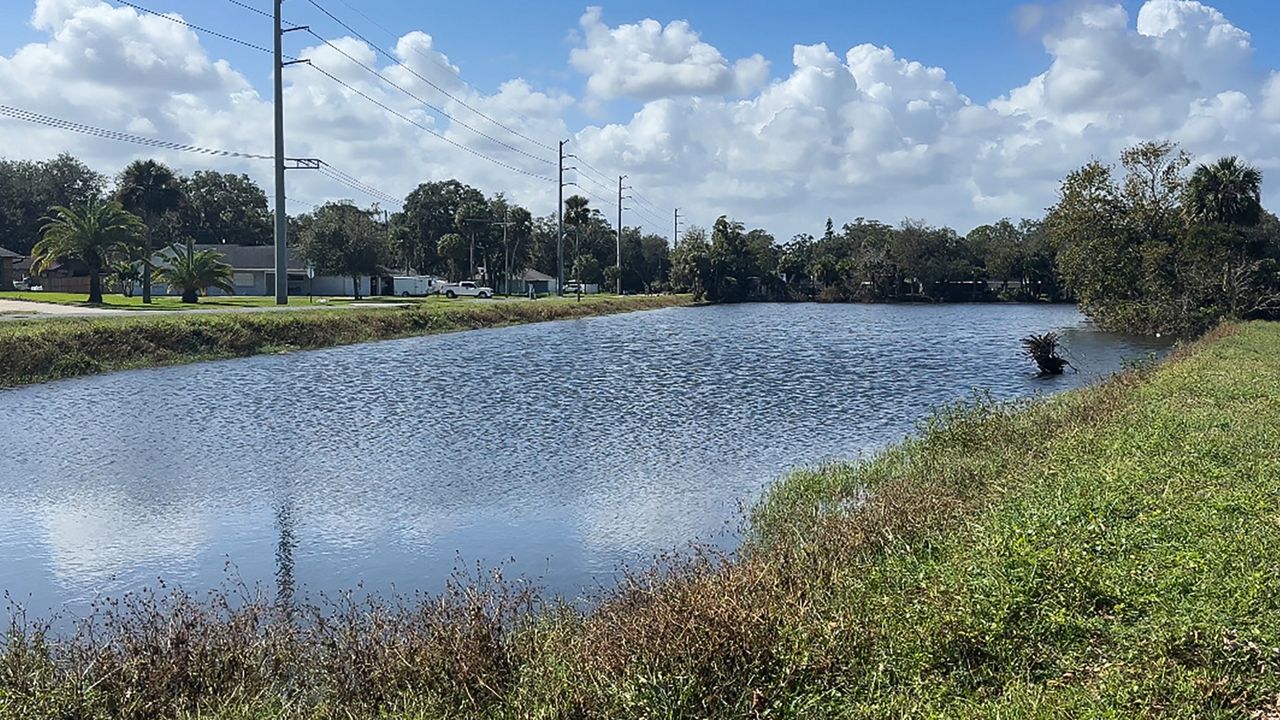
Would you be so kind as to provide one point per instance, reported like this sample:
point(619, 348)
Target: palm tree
point(1227, 192)
point(124, 273)
point(149, 189)
point(91, 234)
point(195, 271)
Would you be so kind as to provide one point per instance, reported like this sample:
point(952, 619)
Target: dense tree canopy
point(1152, 244)
point(345, 240)
point(1156, 252)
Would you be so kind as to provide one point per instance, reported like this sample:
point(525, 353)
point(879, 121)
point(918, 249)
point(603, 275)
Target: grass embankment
point(49, 349)
point(1109, 553)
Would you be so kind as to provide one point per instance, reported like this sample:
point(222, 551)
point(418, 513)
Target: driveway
point(24, 309)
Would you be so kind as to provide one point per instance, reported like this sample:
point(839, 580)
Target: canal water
point(559, 451)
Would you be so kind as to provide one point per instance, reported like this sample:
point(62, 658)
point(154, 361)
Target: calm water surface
point(571, 447)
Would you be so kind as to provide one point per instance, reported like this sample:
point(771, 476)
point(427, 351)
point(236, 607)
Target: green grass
point(51, 348)
point(1112, 552)
point(159, 302)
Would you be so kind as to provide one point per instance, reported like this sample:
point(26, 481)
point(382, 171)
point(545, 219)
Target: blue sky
point(978, 42)
point(1031, 91)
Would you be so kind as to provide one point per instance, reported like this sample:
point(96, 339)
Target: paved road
point(27, 310)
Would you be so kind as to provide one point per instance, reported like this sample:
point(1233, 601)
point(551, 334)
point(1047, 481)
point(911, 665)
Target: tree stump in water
point(1044, 350)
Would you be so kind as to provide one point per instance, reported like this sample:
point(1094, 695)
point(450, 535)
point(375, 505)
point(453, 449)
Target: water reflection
point(570, 447)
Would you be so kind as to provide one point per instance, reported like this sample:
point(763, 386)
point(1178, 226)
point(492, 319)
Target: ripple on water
point(570, 446)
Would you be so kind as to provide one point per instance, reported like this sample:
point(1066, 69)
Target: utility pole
point(282, 220)
point(619, 256)
point(560, 225)
point(675, 230)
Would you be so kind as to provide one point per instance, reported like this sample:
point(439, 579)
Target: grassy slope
point(1114, 553)
point(48, 349)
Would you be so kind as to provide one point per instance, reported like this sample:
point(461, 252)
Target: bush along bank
point(40, 350)
point(1109, 552)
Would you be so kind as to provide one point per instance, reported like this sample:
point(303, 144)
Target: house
point(528, 278)
point(255, 273)
point(9, 270)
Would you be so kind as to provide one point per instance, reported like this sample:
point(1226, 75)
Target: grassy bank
point(49, 349)
point(1112, 552)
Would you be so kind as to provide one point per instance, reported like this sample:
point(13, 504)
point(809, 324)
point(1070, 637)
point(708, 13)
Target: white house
point(255, 273)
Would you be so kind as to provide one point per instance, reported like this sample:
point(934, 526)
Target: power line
point(426, 129)
point(644, 200)
point(358, 186)
point(53, 122)
point(397, 61)
point(451, 118)
point(251, 8)
point(205, 30)
point(59, 124)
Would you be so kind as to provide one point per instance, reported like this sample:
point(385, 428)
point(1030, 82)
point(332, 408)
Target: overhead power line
point(53, 122)
point(441, 90)
point(60, 124)
point(205, 30)
point(348, 86)
point(424, 128)
point(435, 108)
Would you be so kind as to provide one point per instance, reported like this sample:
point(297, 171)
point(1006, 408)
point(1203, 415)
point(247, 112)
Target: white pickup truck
point(466, 288)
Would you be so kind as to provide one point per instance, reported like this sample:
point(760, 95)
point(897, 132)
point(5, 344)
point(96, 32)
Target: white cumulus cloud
point(841, 132)
point(646, 60)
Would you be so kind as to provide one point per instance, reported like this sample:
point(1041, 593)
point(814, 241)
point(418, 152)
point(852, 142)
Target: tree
point(91, 234)
point(222, 208)
point(149, 189)
point(30, 190)
point(1228, 192)
point(691, 263)
point(1159, 252)
point(195, 271)
point(474, 220)
point(430, 212)
point(453, 248)
point(586, 269)
point(124, 274)
point(342, 239)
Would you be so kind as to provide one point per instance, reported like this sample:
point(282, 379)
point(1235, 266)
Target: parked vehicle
point(573, 288)
point(27, 284)
point(467, 288)
point(416, 285)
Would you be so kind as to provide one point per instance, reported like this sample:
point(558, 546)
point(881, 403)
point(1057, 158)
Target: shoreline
point(57, 348)
point(1099, 553)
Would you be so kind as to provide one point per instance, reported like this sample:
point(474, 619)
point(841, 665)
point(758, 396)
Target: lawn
point(173, 302)
point(159, 302)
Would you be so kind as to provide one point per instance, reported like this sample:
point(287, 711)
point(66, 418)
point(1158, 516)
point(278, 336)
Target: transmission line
point(451, 118)
point(426, 129)
point(207, 31)
point(59, 124)
point(443, 91)
point(53, 122)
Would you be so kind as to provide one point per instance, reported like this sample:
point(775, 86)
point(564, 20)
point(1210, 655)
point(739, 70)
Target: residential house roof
point(531, 275)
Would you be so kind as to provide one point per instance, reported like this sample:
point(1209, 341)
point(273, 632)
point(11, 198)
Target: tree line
point(1155, 245)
